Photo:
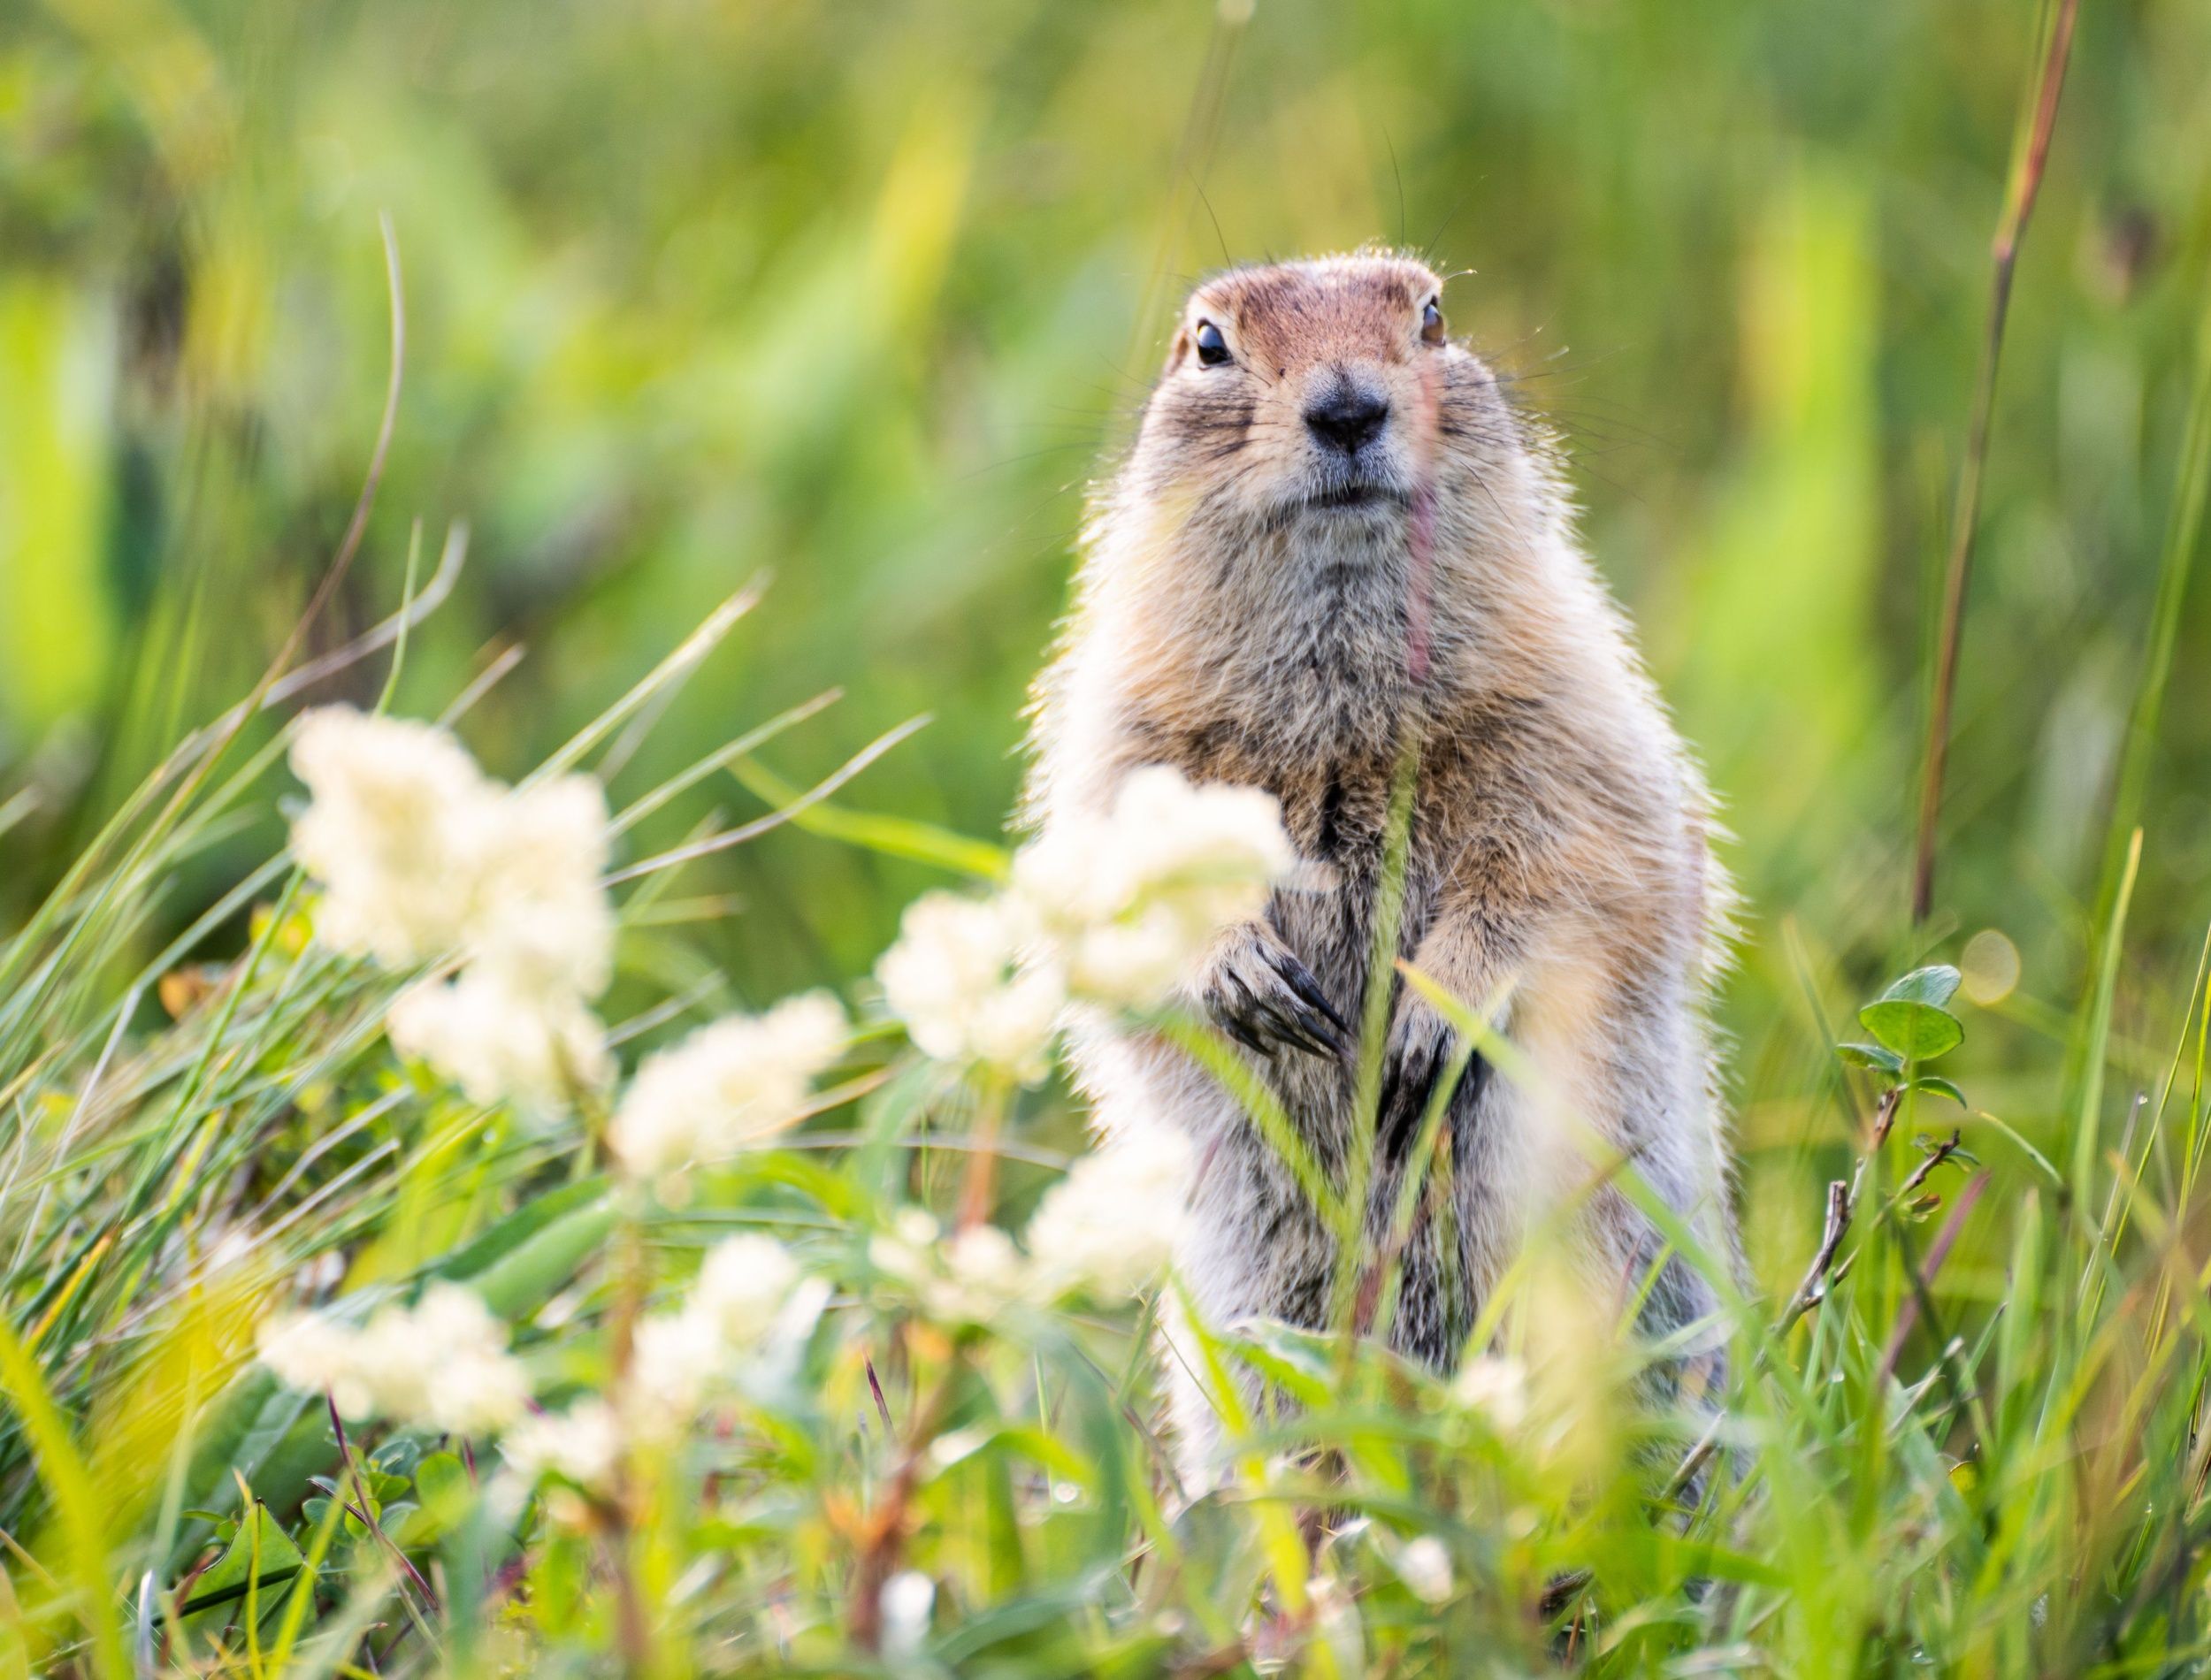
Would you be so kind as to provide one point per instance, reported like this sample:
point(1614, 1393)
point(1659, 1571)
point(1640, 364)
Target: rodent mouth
point(1354, 495)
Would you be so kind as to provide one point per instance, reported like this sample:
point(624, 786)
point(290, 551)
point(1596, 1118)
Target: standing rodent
point(1335, 535)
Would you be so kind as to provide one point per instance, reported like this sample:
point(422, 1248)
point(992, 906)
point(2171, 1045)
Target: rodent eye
point(1213, 349)
point(1431, 323)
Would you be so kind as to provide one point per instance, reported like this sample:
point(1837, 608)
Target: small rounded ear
point(1178, 350)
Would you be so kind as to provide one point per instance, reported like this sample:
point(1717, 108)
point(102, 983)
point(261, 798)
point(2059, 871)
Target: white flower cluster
point(1495, 1386)
point(421, 856)
point(969, 1279)
point(1128, 899)
point(678, 1362)
point(1107, 1229)
point(1424, 1564)
point(440, 1364)
point(444, 1365)
point(1113, 1222)
point(727, 1085)
point(956, 977)
point(583, 1444)
point(1109, 909)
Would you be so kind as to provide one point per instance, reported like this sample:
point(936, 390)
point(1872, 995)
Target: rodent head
point(1325, 393)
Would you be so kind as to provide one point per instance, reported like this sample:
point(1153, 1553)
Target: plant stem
point(978, 1191)
point(2026, 182)
point(633, 1628)
point(886, 1535)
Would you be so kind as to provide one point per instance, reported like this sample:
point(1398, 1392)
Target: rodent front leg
point(1259, 992)
point(1422, 1040)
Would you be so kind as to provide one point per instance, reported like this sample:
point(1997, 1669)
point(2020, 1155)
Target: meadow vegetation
point(530, 1137)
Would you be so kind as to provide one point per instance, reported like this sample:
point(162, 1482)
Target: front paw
point(1416, 1060)
point(1258, 993)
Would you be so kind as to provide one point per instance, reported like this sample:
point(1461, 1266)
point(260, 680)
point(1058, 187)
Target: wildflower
point(583, 1445)
point(1112, 1223)
point(1424, 1564)
point(743, 1284)
point(442, 1363)
point(967, 1278)
point(540, 917)
point(420, 856)
point(681, 1358)
point(726, 1085)
point(495, 1042)
point(1495, 1385)
point(445, 1362)
point(909, 1601)
point(1131, 898)
point(956, 978)
point(907, 1251)
point(313, 1353)
point(675, 1360)
point(984, 1272)
point(1111, 910)
point(394, 805)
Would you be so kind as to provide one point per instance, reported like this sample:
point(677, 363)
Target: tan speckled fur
point(1228, 623)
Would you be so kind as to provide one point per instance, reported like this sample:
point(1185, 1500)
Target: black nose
point(1346, 418)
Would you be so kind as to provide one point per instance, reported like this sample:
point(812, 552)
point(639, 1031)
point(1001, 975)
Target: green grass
point(852, 304)
point(1968, 1441)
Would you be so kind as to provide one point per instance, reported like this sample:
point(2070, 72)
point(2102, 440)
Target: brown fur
point(1235, 620)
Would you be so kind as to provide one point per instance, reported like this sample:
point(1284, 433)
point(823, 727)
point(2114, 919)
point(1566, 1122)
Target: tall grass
point(1968, 1439)
point(1911, 1471)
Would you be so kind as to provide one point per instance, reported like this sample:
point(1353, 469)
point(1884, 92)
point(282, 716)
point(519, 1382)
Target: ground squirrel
point(1334, 533)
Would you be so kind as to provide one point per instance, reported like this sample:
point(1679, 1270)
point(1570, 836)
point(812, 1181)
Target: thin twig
point(1814, 1287)
point(884, 1537)
point(362, 1510)
point(2026, 182)
point(1936, 1157)
point(875, 1387)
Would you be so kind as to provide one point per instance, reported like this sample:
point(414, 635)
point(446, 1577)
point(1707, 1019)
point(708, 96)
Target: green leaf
point(900, 837)
point(522, 1274)
point(226, 1581)
point(1942, 1088)
point(1933, 986)
point(269, 1434)
point(1025, 1440)
point(559, 1575)
point(1916, 1032)
point(1299, 1361)
point(518, 1227)
point(1871, 1056)
point(441, 1482)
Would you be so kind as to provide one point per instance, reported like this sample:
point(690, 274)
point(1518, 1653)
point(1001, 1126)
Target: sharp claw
point(1235, 1015)
point(1290, 1027)
point(1301, 980)
point(1327, 1040)
point(1299, 1014)
point(1236, 1029)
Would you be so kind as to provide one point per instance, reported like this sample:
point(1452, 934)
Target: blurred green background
point(861, 293)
